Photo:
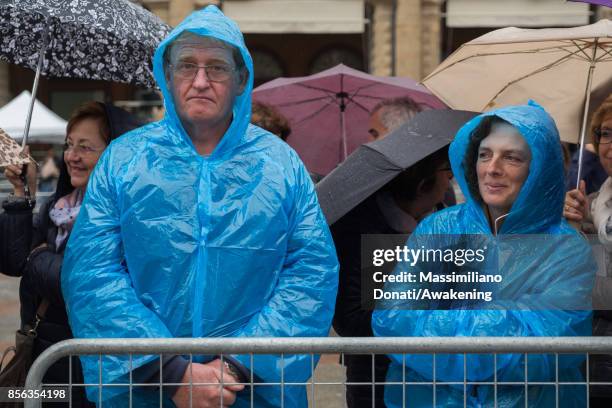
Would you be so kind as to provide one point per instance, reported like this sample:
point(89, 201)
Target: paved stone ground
point(328, 369)
point(328, 396)
point(9, 310)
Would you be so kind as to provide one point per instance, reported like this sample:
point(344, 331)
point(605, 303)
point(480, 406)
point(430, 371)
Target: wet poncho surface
point(540, 282)
point(173, 244)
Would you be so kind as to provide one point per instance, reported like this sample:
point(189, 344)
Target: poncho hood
point(209, 22)
point(539, 205)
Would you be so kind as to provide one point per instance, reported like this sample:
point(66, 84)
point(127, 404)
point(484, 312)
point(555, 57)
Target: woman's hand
point(576, 204)
point(13, 174)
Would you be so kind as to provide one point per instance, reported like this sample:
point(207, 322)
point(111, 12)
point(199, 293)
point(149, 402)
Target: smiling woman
point(497, 164)
point(593, 214)
point(509, 167)
point(88, 136)
point(34, 248)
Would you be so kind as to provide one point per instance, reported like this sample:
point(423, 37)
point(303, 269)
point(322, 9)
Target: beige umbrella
point(557, 67)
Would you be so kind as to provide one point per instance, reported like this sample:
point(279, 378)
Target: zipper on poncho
point(203, 212)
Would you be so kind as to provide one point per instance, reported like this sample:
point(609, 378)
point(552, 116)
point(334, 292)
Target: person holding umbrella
point(593, 215)
point(395, 209)
point(33, 247)
point(508, 164)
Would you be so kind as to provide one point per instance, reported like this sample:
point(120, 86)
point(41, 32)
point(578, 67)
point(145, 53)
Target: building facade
point(301, 37)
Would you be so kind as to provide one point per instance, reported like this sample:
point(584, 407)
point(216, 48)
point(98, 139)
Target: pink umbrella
point(329, 111)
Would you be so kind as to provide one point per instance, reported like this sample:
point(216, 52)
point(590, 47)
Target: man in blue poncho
point(201, 225)
point(509, 166)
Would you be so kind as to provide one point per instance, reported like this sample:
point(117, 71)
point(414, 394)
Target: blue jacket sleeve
point(302, 303)
point(96, 285)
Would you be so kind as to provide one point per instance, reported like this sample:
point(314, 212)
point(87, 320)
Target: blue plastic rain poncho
point(173, 244)
point(539, 282)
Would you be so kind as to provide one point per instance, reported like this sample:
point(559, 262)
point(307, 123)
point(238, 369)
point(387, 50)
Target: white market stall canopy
point(297, 16)
point(519, 13)
point(46, 127)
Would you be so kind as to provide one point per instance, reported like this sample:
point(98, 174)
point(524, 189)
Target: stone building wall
point(417, 35)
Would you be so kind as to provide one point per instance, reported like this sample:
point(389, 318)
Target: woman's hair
point(267, 117)
point(471, 154)
point(604, 110)
point(420, 177)
point(95, 111)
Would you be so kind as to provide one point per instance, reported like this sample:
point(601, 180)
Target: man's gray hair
point(189, 38)
point(394, 112)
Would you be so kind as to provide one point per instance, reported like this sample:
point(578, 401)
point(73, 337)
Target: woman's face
point(83, 148)
point(502, 167)
point(605, 150)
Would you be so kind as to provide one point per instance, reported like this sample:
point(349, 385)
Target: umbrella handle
point(586, 112)
point(24, 179)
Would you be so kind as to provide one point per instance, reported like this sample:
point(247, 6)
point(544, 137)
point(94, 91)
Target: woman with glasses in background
point(593, 215)
point(33, 246)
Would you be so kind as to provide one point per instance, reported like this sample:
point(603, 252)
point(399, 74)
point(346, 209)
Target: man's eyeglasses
point(603, 135)
point(214, 73)
point(80, 149)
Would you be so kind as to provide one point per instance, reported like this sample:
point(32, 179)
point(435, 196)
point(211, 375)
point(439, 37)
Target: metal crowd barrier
point(330, 345)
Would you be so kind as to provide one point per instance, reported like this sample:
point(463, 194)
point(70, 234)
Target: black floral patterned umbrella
point(109, 40)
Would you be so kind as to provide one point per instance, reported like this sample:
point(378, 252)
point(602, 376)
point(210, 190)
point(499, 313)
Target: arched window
point(333, 56)
point(266, 65)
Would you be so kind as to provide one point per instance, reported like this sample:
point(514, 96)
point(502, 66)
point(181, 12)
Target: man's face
point(375, 127)
point(198, 100)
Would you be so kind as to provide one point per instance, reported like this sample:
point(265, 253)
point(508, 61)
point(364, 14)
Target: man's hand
point(207, 396)
point(575, 208)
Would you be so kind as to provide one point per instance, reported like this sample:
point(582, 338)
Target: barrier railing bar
point(368, 384)
point(495, 380)
point(557, 380)
point(327, 345)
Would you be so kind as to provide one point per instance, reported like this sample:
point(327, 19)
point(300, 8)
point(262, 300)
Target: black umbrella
point(374, 164)
point(109, 40)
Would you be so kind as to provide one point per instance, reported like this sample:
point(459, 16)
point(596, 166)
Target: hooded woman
point(509, 166)
point(33, 247)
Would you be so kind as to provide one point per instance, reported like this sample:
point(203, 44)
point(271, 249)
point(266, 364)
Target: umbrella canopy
point(10, 152)
point(329, 111)
point(374, 164)
point(607, 3)
point(47, 127)
point(558, 68)
point(109, 40)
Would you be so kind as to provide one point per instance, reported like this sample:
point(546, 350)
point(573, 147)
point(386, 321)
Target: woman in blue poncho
point(509, 166)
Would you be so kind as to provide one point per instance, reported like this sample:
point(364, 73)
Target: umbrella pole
point(41, 58)
point(585, 114)
point(344, 144)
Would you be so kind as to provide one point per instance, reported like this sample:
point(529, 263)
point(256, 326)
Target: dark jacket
point(21, 234)
point(40, 271)
point(350, 318)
